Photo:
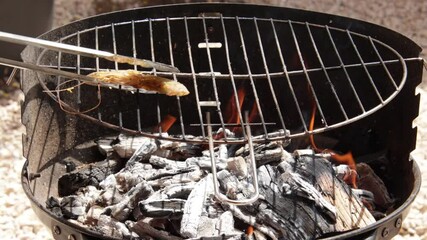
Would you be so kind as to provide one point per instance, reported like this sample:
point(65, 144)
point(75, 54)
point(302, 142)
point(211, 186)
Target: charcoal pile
point(158, 189)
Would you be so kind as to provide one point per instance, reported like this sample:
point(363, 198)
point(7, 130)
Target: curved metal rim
point(242, 140)
point(394, 215)
point(25, 185)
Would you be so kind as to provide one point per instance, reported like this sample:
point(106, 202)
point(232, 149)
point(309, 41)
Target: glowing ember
point(166, 123)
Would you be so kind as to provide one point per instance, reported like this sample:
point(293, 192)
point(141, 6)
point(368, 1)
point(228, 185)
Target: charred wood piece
point(177, 150)
point(187, 177)
point(88, 175)
point(138, 146)
point(109, 196)
point(220, 152)
point(93, 214)
point(195, 207)
point(73, 206)
point(105, 145)
point(162, 208)
point(294, 184)
point(370, 181)
point(205, 163)
point(137, 172)
point(238, 166)
point(143, 229)
point(122, 210)
point(264, 153)
point(233, 188)
point(251, 220)
point(53, 204)
point(161, 162)
point(112, 227)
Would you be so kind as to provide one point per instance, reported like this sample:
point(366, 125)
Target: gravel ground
point(17, 220)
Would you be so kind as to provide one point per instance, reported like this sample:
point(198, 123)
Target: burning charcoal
point(285, 226)
point(206, 227)
point(276, 134)
point(205, 163)
point(90, 174)
point(93, 215)
point(73, 206)
point(109, 196)
point(53, 204)
point(177, 150)
point(251, 220)
point(369, 181)
point(143, 229)
point(128, 145)
point(225, 225)
point(258, 235)
point(220, 152)
point(228, 133)
point(342, 170)
point(161, 162)
point(230, 184)
point(138, 172)
point(238, 166)
point(124, 208)
point(112, 228)
point(179, 190)
point(269, 156)
point(131, 175)
point(164, 208)
point(303, 152)
point(194, 207)
point(105, 145)
point(188, 177)
point(297, 179)
point(160, 173)
point(157, 223)
point(108, 182)
point(366, 197)
point(280, 224)
point(264, 153)
point(294, 184)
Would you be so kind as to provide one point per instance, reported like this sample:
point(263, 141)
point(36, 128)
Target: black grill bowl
point(54, 136)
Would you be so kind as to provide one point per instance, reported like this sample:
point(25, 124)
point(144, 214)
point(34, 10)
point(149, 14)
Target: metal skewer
point(88, 52)
point(56, 72)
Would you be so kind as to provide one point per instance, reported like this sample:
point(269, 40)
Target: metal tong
point(220, 196)
point(66, 48)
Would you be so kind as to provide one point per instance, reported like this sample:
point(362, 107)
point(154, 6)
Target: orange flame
point(231, 109)
point(339, 158)
point(254, 113)
point(232, 114)
point(166, 123)
point(250, 231)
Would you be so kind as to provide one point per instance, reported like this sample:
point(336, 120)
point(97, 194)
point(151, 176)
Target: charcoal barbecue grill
point(277, 65)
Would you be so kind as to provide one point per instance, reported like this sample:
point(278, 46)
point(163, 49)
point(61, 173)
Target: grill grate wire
point(283, 75)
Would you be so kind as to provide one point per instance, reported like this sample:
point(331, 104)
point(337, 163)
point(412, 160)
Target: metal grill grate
point(279, 71)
